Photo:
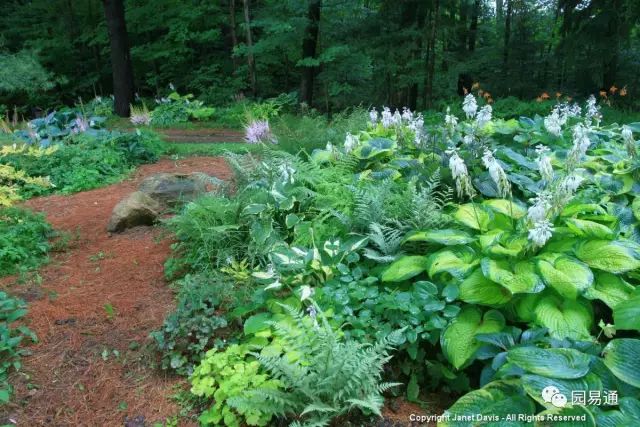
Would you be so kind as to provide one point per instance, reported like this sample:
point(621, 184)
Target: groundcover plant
point(497, 259)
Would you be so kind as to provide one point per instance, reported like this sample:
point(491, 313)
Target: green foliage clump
point(11, 310)
point(223, 376)
point(13, 182)
point(23, 240)
point(178, 108)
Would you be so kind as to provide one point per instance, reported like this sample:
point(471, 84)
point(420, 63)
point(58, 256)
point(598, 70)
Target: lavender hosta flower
point(373, 116)
point(498, 176)
point(470, 106)
point(541, 232)
point(553, 123)
point(258, 132)
point(350, 143)
point(140, 117)
point(541, 204)
point(484, 116)
point(460, 174)
point(544, 163)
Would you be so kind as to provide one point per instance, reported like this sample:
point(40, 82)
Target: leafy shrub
point(223, 376)
point(193, 328)
point(23, 240)
point(178, 108)
point(11, 310)
point(13, 182)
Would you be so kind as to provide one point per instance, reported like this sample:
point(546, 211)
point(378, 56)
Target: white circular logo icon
point(551, 394)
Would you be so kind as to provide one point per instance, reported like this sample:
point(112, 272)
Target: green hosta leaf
point(405, 268)
point(609, 288)
point(566, 363)
point(256, 323)
point(477, 289)
point(518, 278)
point(576, 416)
point(291, 220)
point(498, 398)
point(626, 314)
point(563, 318)
point(622, 357)
point(473, 216)
point(446, 237)
point(458, 340)
point(612, 256)
point(568, 276)
point(506, 207)
point(584, 228)
point(374, 148)
point(457, 261)
point(635, 207)
point(254, 208)
point(534, 384)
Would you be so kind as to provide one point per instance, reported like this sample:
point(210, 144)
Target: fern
point(387, 240)
point(327, 379)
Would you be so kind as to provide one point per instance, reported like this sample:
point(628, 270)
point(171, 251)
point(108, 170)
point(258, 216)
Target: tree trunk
point(507, 35)
point(123, 89)
point(499, 11)
point(473, 28)
point(432, 49)
point(610, 65)
point(250, 58)
point(463, 33)
point(309, 47)
point(232, 28)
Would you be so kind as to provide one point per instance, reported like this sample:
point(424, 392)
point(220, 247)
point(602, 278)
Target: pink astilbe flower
point(258, 132)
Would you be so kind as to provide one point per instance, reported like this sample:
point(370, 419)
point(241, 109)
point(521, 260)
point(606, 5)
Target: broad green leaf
point(506, 207)
point(254, 208)
point(404, 268)
point(534, 384)
point(291, 220)
point(448, 237)
point(576, 416)
point(517, 278)
point(458, 340)
point(612, 256)
point(609, 288)
point(563, 318)
point(635, 207)
point(473, 215)
point(477, 289)
point(565, 363)
point(622, 357)
point(584, 228)
point(457, 261)
point(498, 398)
point(321, 156)
point(626, 314)
point(256, 323)
point(568, 276)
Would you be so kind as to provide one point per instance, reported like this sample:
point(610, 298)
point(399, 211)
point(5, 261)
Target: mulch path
point(92, 308)
point(199, 136)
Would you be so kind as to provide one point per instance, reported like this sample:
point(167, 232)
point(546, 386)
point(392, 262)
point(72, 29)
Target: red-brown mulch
point(104, 293)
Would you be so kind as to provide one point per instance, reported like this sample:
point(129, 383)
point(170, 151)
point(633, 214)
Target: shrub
point(23, 240)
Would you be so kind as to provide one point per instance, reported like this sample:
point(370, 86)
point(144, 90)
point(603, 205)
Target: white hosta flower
point(460, 174)
point(593, 111)
point(629, 142)
point(484, 116)
point(544, 163)
point(373, 116)
point(497, 174)
point(387, 117)
point(627, 133)
point(541, 204)
point(407, 115)
point(171, 86)
point(350, 142)
point(541, 232)
point(450, 120)
point(470, 106)
point(581, 143)
point(553, 123)
point(467, 139)
point(306, 292)
point(569, 185)
point(287, 173)
point(396, 119)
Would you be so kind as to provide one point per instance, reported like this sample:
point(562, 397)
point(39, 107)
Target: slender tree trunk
point(507, 35)
point(473, 28)
point(123, 89)
point(232, 28)
point(499, 11)
point(250, 58)
point(432, 57)
point(463, 33)
point(610, 65)
point(309, 48)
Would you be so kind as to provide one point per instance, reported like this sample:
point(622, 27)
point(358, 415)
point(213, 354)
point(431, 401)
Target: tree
point(251, 62)
point(123, 89)
point(309, 47)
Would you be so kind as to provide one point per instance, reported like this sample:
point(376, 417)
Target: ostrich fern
point(327, 379)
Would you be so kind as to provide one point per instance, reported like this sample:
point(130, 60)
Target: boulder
point(171, 189)
point(137, 209)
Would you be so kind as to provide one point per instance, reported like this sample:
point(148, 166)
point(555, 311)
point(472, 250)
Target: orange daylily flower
point(544, 95)
point(487, 95)
point(623, 91)
point(475, 86)
point(613, 89)
point(490, 100)
point(603, 93)
point(558, 94)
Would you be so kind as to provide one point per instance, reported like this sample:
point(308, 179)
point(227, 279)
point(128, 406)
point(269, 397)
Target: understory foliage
point(503, 253)
point(23, 240)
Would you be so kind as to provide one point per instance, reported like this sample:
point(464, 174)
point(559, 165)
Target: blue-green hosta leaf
point(517, 278)
point(457, 261)
point(473, 215)
point(321, 156)
point(506, 207)
point(626, 314)
point(635, 207)
point(497, 399)
point(374, 148)
point(563, 318)
point(477, 289)
point(609, 288)
point(568, 276)
point(622, 357)
point(404, 268)
point(575, 416)
point(592, 229)
point(448, 237)
point(458, 340)
point(565, 363)
point(534, 384)
point(614, 419)
point(612, 256)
